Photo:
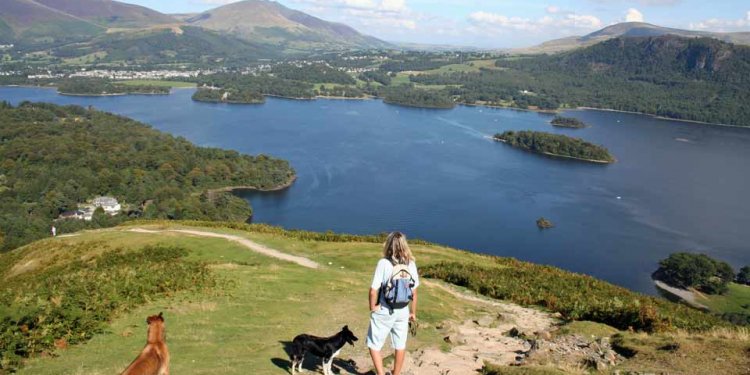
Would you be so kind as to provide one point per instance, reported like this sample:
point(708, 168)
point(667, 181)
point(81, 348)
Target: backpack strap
point(397, 269)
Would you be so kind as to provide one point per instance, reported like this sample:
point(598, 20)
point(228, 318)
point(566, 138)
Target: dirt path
point(254, 246)
point(684, 294)
point(484, 338)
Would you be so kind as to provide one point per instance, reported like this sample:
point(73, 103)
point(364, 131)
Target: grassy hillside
point(109, 13)
point(167, 45)
point(250, 304)
point(734, 304)
point(33, 22)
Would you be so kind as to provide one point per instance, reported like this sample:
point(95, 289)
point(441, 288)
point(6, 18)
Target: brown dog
point(154, 358)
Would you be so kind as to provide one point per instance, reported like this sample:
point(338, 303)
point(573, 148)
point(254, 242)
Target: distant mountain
point(29, 20)
point(630, 29)
point(109, 13)
point(271, 23)
point(54, 20)
point(165, 45)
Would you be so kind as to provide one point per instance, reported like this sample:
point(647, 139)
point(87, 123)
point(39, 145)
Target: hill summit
point(269, 22)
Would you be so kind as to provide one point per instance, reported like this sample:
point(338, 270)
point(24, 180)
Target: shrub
point(743, 277)
point(70, 303)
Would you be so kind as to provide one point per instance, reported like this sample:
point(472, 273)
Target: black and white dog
point(324, 347)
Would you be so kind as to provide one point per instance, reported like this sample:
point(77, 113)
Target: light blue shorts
point(382, 322)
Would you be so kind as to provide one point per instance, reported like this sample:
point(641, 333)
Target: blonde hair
point(396, 248)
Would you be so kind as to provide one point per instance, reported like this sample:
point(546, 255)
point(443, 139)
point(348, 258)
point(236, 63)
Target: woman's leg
point(399, 334)
point(377, 361)
point(399, 364)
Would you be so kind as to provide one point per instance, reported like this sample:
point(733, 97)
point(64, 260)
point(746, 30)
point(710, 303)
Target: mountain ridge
point(629, 29)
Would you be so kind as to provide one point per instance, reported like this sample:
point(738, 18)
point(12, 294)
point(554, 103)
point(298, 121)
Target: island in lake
point(105, 87)
point(231, 96)
point(568, 122)
point(556, 145)
point(410, 96)
point(544, 223)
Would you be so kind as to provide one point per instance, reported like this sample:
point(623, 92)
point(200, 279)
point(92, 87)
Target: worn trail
point(254, 246)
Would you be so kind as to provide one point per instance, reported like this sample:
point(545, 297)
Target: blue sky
point(499, 23)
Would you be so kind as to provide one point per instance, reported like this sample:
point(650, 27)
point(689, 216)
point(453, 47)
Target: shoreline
point(684, 295)
point(229, 189)
point(657, 117)
point(546, 111)
point(116, 94)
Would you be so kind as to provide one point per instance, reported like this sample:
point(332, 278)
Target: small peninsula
point(556, 145)
point(568, 122)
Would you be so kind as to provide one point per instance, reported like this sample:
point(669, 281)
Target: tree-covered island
point(231, 96)
point(568, 122)
point(556, 145)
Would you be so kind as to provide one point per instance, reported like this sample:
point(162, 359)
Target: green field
point(737, 300)
point(156, 82)
point(262, 303)
point(401, 78)
point(454, 68)
point(258, 303)
point(86, 59)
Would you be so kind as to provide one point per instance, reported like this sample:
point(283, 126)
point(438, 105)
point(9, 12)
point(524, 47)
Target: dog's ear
point(346, 328)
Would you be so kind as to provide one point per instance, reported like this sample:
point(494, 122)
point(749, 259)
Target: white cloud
point(383, 18)
point(393, 5)
point(552, 9)
point(723, 25)
point(642, 2)
point(360, 3)
point(499, 22)
point(633, 15)
point(217, 2)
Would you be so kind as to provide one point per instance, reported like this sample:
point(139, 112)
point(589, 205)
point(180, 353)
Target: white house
point(110, 205)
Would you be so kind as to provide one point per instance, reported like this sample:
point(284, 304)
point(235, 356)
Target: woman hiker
point(393, 301)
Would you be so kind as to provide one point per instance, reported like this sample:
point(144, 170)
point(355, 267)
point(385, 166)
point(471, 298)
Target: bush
point(575, 296)
point(743, 277)
point(72, 302)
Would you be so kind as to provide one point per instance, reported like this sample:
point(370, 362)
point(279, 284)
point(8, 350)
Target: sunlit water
point(367, 167)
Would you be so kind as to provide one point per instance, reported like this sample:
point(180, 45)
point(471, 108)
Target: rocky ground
point(508, 335)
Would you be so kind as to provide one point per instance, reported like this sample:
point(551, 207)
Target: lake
point(368, 167)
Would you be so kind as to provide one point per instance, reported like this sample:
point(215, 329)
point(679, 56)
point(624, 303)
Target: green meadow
point(259, 304)
point(238, 315)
